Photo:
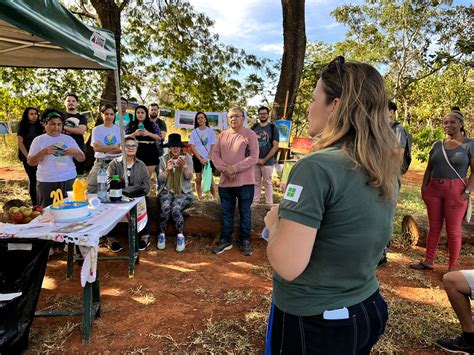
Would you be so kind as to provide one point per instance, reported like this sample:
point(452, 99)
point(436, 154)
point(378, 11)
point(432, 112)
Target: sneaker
point(161, 241)
point(115, 247)
point(222, 247)
point(455, 345)
point(143, 244)
point(180, 243)
point(246, 248)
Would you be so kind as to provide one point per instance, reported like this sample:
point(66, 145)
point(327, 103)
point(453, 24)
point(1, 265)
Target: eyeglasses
point(234, 116)
point(131, 146)
point(338, 62)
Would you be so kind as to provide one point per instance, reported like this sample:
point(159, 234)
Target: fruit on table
point(27, 211)
point(24, 214)
point(13, 210)
point(35, 214)
point(17, 217)
point(38, 208)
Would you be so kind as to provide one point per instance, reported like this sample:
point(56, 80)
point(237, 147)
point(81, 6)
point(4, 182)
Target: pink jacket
point(230, 150)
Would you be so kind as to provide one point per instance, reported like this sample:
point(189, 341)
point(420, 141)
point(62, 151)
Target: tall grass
point(9, 149)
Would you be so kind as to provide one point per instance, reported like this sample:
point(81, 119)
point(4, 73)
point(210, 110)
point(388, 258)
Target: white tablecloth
point(85, 234)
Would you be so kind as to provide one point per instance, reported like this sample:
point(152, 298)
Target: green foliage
point(169, 55)
point(20, 87)
point(178, 60)
point(423, 139)
point(413, 39)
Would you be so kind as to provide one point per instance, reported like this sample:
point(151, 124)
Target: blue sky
point(256, 25)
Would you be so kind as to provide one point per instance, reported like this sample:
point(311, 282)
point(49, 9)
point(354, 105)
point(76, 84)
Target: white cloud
point(332, 25)
point(276, 48)
point(232, 18)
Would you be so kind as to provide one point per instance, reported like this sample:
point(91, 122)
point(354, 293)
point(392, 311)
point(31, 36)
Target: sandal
point(421, 266)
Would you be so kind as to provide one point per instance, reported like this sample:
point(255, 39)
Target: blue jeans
point(290, 334)
point(229, 195)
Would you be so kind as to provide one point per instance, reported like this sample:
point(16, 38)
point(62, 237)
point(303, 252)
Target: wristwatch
point(467, 191)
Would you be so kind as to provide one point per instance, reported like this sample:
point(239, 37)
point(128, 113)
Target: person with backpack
point(405, 141)
point(268, 139)
point(403, 137)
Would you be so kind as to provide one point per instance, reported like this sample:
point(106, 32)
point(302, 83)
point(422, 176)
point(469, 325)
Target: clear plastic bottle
point(79, 189)
point(102, 184)
point(115, 192)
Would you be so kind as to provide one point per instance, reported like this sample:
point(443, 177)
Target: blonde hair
point(359, 123)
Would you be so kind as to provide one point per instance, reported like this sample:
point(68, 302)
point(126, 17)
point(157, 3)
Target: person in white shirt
point(53, 153)
point(106, 144)
point(201, 143)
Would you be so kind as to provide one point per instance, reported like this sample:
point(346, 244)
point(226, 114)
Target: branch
point(85, 14)
point(123, 4)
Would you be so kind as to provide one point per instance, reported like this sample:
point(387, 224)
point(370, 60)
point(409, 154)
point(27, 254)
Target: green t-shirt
point(354, 225)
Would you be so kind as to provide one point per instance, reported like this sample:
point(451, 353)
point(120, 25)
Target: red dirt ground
point(174, 297)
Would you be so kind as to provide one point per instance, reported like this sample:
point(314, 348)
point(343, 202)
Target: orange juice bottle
point(79, 189)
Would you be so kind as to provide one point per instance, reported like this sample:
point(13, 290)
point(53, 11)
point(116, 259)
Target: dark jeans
point(229, 196)
point(43, 190)
point(31, 172)
point(289, 334)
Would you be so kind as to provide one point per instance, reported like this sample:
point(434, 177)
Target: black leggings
point(31, 172)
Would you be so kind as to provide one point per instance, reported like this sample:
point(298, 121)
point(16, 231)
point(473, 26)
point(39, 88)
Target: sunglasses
point(131, 146)
point(338, 62)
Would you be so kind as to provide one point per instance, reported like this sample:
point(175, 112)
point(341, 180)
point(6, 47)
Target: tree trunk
point(109, 17)
point(294, 47)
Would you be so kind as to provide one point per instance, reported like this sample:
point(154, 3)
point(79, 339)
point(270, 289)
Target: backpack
point(273, 128)
point(407, 152)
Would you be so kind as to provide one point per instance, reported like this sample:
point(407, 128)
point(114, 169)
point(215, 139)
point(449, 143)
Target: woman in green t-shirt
point(334, 220)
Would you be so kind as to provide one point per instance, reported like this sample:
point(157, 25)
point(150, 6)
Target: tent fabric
point(44, 34)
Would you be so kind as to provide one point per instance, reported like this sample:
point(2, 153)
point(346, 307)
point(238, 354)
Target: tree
point(168, 52)
point(413, 39)
point(318, 55)
point(294, 47)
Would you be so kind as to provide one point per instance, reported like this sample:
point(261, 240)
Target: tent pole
point(122, 134)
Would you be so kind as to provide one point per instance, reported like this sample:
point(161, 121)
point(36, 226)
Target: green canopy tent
point(44, 34)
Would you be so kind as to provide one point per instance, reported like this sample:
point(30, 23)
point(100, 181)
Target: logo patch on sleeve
point(293, 192)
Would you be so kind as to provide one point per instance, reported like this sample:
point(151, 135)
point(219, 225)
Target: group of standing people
point(242, 156)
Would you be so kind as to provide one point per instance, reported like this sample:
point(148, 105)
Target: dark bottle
point(115, 192)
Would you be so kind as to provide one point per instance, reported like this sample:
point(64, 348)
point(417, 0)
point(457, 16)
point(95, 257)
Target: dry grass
point(142, 296)
point(264, 272)
point(414, 323)
point(201, 291)
point(63, 302)
point(13, 189)
point(242, 335)
point(235, 296)
point(222, 336)
point(48, 340)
